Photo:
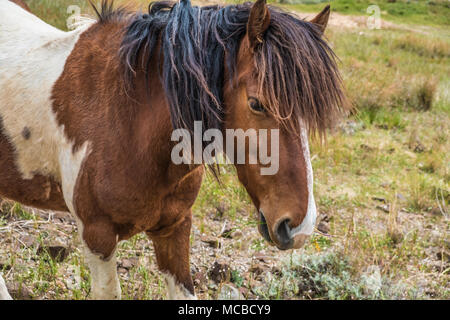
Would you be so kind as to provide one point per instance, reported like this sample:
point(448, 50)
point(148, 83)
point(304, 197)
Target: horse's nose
point(284, 236)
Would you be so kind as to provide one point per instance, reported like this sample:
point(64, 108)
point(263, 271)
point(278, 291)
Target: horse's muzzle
point(283, 234)
point(283, 238)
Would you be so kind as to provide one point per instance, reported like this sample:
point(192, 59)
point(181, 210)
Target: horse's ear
point(321, 20)
point(258, 22)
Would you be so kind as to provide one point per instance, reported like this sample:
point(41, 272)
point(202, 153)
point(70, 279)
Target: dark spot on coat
point(26, 133)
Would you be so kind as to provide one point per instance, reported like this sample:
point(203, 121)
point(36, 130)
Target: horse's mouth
point(263, 228)
point(293, 243)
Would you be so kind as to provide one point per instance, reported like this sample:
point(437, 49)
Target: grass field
point(382, 186)
point(406, 11)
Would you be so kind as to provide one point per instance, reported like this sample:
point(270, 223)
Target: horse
point(87, 117)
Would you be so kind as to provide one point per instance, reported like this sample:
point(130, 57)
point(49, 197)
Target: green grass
point(56, 12)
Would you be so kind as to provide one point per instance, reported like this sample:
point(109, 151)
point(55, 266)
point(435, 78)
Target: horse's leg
point(104, 280)
point(96, 232)
point(4, 295)
point(172, 254)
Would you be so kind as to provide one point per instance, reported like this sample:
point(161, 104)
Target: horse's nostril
point(283, 234)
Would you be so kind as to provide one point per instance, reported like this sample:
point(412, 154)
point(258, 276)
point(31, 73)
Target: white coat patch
point(4, 295)
point(176, 290)
point(309, 222)
point(32, 58)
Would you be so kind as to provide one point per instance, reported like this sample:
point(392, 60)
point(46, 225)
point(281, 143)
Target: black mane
point(296, 68)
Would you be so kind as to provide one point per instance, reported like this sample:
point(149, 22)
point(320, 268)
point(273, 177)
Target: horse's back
point(32, 58)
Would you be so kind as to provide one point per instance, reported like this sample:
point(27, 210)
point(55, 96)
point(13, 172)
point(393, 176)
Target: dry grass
point(424, 47)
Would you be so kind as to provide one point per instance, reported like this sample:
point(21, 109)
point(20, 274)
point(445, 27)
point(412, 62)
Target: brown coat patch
point(128, 183)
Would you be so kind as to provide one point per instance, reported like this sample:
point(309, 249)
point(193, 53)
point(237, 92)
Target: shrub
point(419, 95)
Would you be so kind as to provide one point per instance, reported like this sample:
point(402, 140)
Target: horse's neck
point(152, 127)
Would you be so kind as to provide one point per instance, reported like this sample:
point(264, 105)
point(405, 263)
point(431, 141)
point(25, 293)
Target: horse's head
point(247, 67)
point(285, 80)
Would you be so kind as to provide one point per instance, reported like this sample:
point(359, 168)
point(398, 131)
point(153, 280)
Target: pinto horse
point(86, 119)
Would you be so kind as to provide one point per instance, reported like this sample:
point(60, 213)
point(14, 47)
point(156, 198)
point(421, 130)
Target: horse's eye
point(255, 105)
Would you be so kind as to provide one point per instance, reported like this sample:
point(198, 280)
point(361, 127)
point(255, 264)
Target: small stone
point(19, 291)
point(237, 234)
point(129, 263)
point(27, 240)
point(228, 292)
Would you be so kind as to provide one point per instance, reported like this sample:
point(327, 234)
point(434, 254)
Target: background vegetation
point(381, 185)
point(406, 11)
